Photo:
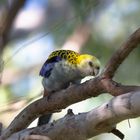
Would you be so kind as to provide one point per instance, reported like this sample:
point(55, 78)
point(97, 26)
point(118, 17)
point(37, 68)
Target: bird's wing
point(48, 66)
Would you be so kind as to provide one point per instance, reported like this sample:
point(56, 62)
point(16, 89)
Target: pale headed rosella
point(64, 67)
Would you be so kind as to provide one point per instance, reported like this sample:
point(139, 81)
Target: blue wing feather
point(48, 66)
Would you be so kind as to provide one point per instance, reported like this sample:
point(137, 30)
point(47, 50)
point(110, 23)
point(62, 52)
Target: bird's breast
point(61, 75)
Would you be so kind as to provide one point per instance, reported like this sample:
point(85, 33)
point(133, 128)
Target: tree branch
point(121, 54)
point(63, 99)
point(58, 100)
point(86, 125)
point(77, 93)
point(115, 88)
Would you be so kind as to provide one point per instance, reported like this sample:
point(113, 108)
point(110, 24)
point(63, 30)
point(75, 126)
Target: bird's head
point(88, 65)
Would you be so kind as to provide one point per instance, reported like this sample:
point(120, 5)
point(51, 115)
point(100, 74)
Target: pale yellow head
point(88, 65)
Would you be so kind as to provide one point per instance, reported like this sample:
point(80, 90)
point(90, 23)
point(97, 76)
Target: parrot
point(65, 67)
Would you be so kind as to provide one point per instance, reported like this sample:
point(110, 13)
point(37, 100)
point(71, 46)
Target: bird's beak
point(96, 71)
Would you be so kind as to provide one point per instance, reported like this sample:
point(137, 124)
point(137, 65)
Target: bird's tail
point(44, 119)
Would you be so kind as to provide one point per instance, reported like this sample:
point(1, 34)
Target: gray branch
point(102, 119)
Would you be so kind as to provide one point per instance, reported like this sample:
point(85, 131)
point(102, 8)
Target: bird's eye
point(97, 67)
point(90, 64)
